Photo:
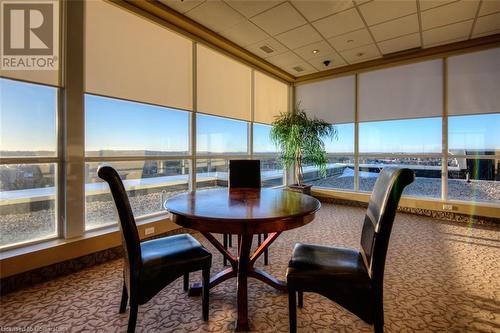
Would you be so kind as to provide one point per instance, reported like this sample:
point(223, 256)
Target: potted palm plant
point(300, 140)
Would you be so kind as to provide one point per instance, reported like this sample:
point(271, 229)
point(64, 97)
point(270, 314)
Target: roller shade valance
point(403, 92)
point(331, 100)
point(270, 98)
point(224, 86)
point(130, 57)
point(474, 83)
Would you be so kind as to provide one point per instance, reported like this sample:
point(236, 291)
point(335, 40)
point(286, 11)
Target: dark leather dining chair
point(352, 278)
point(152, 265)
point(244, 174)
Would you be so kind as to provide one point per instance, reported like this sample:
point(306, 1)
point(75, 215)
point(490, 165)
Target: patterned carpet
point(440, 277)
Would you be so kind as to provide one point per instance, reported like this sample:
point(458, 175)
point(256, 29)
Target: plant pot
point(304, 189)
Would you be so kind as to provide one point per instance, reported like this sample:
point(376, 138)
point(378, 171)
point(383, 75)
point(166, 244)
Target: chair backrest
point(244, 174)
point(130, 236)
point(380, 217)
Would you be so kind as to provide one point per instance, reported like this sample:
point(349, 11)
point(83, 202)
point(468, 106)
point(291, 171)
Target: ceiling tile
point(447, 34)
point(279, 19)
point(299, 37)
point(484, 34)
point(306, 52)
point(272, 43)
point(488, 33)
point(428, 4)
point(252, 8)
point(360, 54)
point(392, 29)
point(379, 11)
point(306, 68)
point(489, 7)
point(334, 58)
point(486, 24)
point(340, 23)
point(287, 58)
point(400, 43)
point(316, 9)
point(351, 40)
point(182, 6)
point(447, 14)
point(215, 15)
point(244, 33)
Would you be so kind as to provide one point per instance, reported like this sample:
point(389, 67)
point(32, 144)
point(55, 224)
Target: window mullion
point(74, 119)
point(192, 127)
point(444, 133)
point(356, 134)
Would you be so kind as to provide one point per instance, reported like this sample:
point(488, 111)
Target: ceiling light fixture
point(360, 54)
point(350, 40)
point(315, 51)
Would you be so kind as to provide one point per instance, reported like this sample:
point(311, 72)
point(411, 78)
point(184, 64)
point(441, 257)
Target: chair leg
point(186, 281)
point(378, 321)
point(292, 311)
point(123, 302)
point(225, 241)
point(205, 292)
point(300, 296)
point(266, 254)
point(132, 319)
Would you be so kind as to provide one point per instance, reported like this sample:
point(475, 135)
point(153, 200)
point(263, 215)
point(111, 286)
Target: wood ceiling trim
point(184, 25)
point(405, 58)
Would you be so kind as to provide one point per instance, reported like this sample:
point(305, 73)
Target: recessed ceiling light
point(350, 40)
point(298, 69)
point(360, 54)
point(315, 51)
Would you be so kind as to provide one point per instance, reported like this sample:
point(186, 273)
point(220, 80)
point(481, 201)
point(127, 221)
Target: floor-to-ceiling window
point(334, 102)
point(271, 97)
point(474, 126)
point(403, 120)
point(138, 109)
point(30, 136)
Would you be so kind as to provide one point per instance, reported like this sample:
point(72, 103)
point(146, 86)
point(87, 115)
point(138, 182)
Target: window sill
point(22, 259)
point(485, 209)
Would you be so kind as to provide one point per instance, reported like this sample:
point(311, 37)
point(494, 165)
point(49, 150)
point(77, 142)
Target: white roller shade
point(271, 98)
point(224, 86)
point(474, 83)
point(331, 100)
point(132, 58)
point(403, 92)
point(50, 74)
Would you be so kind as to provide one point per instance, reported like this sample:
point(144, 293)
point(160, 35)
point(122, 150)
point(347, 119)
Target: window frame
point(57, 160)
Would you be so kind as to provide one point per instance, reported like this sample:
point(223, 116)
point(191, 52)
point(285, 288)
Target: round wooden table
point(244, 212)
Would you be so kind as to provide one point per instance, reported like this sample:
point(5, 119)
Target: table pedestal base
point(241, 268)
